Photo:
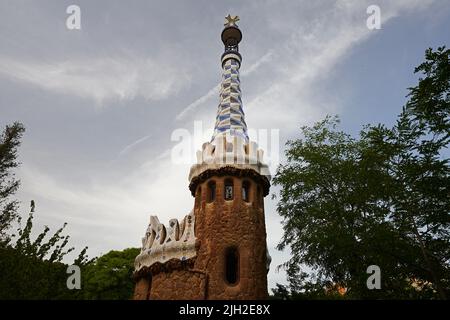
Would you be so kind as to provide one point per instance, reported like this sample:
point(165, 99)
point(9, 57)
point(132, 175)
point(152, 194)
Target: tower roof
point(230, 152)
point(230, 119)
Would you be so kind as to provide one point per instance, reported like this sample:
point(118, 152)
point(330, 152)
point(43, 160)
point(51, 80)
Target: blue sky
point(100, 104)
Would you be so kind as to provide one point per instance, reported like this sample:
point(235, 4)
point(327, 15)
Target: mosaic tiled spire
point(230, 115)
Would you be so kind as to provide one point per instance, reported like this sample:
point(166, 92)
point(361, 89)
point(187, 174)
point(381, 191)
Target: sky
point(101, 104)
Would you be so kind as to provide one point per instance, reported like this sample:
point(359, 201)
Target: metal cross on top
point(230, 20)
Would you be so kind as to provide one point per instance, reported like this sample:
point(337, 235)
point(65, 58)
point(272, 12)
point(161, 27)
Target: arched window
point(246, 191)
point(228, 189)
point(211, 191)
point(232, 265)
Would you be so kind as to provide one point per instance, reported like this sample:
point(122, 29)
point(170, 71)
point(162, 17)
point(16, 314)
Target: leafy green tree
point(281, 292)
point(379, 199)
point(30, 269)
point(9, 142)
point(33, 269)
point(421, 169)
point(109, 277)
point(52, 249)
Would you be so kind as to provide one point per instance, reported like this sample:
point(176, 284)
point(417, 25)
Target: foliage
point(27, 277)
point(110, 276)
point(31, 269)
point(34, 269)
point(53, 248)
point(9, 142)
point(382, 199)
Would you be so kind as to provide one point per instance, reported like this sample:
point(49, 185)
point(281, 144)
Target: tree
point(422, 135)
point(51, 250)
point(9, 142)
point(33, 269)
point(379, 199)
point(110, 276)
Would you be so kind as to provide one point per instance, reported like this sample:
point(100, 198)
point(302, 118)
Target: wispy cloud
point(214, 92)
point(296, 66)
point(131, 146)
point(107, 212)
point(264, 59)
point(100, 78)
point(293, 94)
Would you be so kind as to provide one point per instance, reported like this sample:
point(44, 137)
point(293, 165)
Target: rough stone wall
point(231, 223)
point(178, 285)
point(220, 224)
point(142, 288)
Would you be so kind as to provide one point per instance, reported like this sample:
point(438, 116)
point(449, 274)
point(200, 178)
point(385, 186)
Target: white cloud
point(133, 145)
point(291, 95)
point(261, 61)
point(100, 78)
point(109, 208)
point(214, 92)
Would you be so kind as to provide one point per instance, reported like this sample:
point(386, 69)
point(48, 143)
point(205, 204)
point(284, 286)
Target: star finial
point(230, 20)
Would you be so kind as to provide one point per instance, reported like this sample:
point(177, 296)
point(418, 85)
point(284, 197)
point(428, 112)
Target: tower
point(218, 251)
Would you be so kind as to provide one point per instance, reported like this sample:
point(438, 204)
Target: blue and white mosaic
point(230, 115)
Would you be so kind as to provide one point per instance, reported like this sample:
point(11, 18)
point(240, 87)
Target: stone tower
point(218, 251)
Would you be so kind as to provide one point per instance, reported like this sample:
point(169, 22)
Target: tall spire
point(230, 114)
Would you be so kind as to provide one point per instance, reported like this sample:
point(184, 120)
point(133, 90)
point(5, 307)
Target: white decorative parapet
point(229, 150)
point(162, 244)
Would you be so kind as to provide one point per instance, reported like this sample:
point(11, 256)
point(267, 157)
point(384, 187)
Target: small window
point(246, 191)
point(232, 266)
point(211, 191)
point(228, 190)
